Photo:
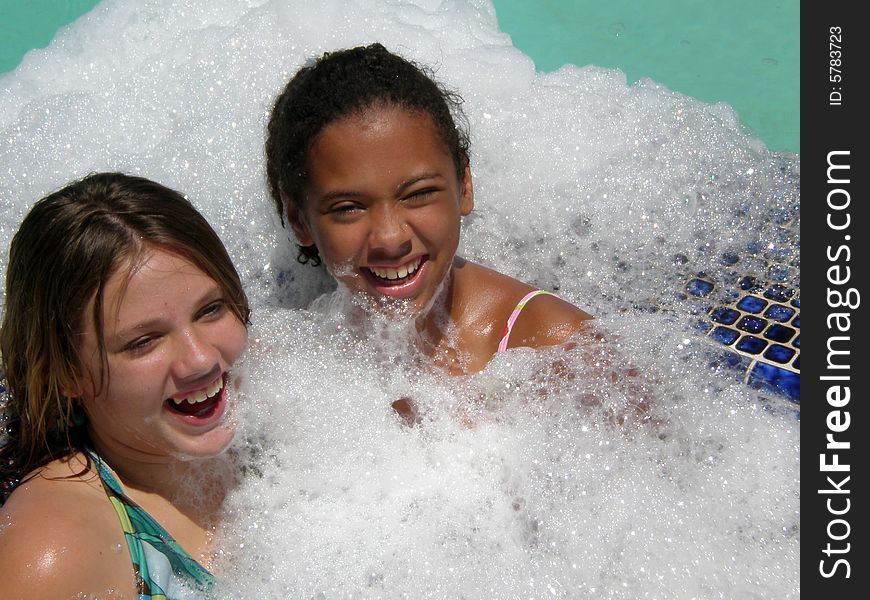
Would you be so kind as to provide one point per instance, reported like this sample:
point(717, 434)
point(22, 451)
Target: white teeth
point(401, 272)
point(202, 395)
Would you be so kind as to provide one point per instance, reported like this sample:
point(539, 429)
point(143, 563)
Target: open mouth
point(393, 276)
point(200, 404)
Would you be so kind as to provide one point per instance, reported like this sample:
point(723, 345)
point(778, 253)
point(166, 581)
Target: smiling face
point(170, 338)
point(383, 204)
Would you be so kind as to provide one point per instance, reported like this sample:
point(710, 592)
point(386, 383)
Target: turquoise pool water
point(744, 52)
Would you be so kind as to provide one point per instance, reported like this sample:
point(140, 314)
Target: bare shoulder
point(547, 320)
point(60, 538)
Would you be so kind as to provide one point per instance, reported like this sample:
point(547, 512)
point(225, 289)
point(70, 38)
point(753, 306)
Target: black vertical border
point(827, 127)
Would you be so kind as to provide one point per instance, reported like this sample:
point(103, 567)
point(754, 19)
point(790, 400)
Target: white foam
point(509, 486)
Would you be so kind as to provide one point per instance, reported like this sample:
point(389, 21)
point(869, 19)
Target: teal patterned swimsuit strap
point(153, 551)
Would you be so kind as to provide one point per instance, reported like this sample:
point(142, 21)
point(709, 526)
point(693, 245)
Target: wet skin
point(383, 198)
point(169, 335)
point(383, 205)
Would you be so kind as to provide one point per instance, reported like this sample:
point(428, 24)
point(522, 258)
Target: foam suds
point(513, 482)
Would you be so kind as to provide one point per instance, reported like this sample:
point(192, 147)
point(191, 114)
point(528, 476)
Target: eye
point(345, 212)
point(343, 208)
point(141, 344)
point(422, 195)
point(213, 309)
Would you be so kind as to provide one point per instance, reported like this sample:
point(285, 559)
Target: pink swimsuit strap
point(503, 344)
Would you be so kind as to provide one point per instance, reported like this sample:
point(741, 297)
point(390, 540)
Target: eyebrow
point(335, 194)
point(124, 336)
point(406, 184)
point(128, 334)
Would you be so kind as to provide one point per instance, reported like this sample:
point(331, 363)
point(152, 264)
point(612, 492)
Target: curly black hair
point(344, 83)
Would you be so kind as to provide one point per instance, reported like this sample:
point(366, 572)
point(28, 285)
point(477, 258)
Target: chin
point(207, 445)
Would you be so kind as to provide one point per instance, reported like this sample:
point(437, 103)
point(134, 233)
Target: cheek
point(120, 394)
point(340, 245)
point(138, 377)
point(236, 339)
point(440, 227)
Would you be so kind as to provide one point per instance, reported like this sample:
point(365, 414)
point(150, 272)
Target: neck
point(162, 475)
point(438, 334)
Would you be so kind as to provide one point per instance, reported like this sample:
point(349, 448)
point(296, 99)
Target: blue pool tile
point(751, 324)
point(730, 296)
point(779, 354)
point(724, 335)
point(797, 342)
point(753, 247)
point(703, 326)
point(730, 361)
point(781, 216)
point(752, 304)
point(775, 379)
point(779, 333)
point(780, 254)
point(796, 302)
point(699, 307)
point(778, 312)
point(796, 321)
point(779, 293)
point(724, 315)
point(749, 284)
point(797, 363)
point(699, 287)
point(751, 344)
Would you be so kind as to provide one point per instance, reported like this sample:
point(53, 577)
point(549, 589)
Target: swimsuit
point(503, 344)
point(155, 554)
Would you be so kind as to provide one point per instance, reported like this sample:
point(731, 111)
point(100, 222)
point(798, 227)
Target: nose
point(389, 234)
point(195, 358)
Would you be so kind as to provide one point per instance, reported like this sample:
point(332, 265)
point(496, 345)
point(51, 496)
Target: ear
point(466, 202)
point(297, 223)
